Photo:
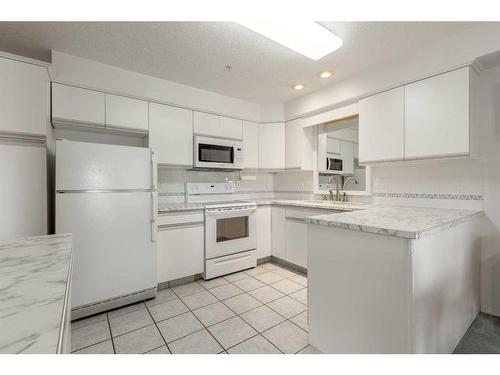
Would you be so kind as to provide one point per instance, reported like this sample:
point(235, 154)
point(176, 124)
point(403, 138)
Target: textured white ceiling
point(195, 53)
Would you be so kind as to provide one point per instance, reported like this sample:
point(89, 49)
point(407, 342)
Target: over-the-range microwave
point(219, 153)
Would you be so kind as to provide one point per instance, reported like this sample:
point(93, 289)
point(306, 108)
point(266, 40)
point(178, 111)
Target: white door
point(272, 146)
point(278, 232)
point(263, 232)
point(181, 251)
point(24, 104)
point(126, 113)
point(114, 255)
point(251, 144)
point(296, 241)
point(230, 128)
point(206, 124)
point(437, 116)
point(293, 144)
point(23, 191)
point(347, 152)
point(382, 126)
point(86, 166)
point(171, 134)
point(74, 105)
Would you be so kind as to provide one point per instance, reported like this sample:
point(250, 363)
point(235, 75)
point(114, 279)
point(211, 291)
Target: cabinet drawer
point(180, 218)
point(229, 264)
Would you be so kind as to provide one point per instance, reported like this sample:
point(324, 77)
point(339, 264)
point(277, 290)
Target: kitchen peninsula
point(393, 279)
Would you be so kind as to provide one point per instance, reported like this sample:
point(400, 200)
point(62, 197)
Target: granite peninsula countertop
point(405, 222)
point(325, 205)
point(34, 292)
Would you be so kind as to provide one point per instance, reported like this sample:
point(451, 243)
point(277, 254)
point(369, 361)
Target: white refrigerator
point(106, 197)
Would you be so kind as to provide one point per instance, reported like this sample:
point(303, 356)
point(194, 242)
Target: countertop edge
point(411, 235)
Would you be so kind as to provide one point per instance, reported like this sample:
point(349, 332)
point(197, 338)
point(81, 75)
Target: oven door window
point(232, 228)
point(215, 153)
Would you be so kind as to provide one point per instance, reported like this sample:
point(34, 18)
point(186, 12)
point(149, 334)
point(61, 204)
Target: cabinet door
point(180, 252)
point(437, 116)
point(293, 144)
point(278, 232)
point(230, 128)
point(126, 113)
point(23, 98)
point(381, 126)
point(272, 146)
point(251, 144)
point(263, 232)
point(171, 134)
point(332, 146)
point(206, 124)
point(73, 105)
point(347, 153)
point(296, 241)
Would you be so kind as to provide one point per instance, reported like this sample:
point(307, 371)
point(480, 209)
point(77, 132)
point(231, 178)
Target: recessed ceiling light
point(305, 37)
point(325, 74)
point(298, 86)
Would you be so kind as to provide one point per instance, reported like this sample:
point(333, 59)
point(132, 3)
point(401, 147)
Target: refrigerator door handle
point(154, 171)
point(154, 216)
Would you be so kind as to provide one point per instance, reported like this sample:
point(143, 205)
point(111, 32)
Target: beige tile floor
point(261, 310)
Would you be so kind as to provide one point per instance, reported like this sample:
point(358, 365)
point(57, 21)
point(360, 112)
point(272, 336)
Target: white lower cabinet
point(296, 241)
point(263, 232)
point(278, 237)
point(181, 245)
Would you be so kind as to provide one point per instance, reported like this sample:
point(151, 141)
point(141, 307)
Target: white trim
point(335, 114)
point(23, 59)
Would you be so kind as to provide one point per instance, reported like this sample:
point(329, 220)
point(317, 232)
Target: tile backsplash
point(452, 183)
point(446, 183)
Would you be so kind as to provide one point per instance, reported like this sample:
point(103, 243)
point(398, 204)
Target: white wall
point(75, 70)
point(489, 98)
point(459, 49)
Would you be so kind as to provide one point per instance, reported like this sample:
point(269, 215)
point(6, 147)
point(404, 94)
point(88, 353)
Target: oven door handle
point(231, 213)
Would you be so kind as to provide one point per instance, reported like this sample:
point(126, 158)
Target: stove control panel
point(199, 188)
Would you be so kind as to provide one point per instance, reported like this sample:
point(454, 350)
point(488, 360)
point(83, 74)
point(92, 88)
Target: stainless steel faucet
point(337, 188)
point(349, 179)
point(344, 199)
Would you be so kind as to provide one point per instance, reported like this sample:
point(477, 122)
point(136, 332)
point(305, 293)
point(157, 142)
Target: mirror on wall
point(338, 156)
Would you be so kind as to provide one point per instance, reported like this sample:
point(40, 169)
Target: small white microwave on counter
point(218, 153)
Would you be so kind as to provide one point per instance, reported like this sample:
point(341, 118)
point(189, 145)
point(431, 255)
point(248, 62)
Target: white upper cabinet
point(171, 134)
point(217, 126)
point(126, 113)
point(437, 116)
point(298, 146)
point(251, 144)
point(381, 126)
point(77, 106)
point(230, 127)
point(332, 146)
point(206, 124)
point(23, 98)
point(347, 155)
point(272, 145)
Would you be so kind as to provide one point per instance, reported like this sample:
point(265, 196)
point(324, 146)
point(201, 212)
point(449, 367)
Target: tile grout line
point(158, 329)
point(203, 325)
point(111, 334)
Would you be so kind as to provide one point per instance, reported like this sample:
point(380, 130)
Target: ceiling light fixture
point(325, 74)
point(298, 86)
point(305, 37)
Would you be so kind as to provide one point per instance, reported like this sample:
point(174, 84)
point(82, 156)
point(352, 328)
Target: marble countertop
point(327, 205)
point(405, 222)
point(34, 276)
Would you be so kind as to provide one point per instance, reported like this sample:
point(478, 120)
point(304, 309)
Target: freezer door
point(92, 166)
point(114, 253)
